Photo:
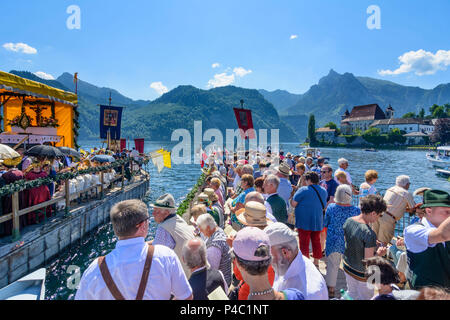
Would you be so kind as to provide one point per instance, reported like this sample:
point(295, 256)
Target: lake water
point(180, 179)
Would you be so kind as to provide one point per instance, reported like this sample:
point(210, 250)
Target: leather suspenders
point(110, 282)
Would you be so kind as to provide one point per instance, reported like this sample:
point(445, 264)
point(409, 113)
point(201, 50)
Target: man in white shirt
point(292, 269)
point(428, 243)
point(343, 165)
point(134, 270)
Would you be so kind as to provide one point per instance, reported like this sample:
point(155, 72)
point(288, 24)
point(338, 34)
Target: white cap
point(279, 233)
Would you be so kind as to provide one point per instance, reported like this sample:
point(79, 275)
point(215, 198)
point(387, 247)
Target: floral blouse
point(335, 218)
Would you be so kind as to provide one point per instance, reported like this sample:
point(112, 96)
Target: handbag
point(321, 202)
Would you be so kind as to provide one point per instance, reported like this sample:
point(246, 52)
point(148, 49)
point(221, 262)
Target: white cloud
point(420, 62)
point(215, 65)
point(20, 47)
point(241, 72)
point(294, 36)
point(221, 80)
point(159, 87)
point(45, 76)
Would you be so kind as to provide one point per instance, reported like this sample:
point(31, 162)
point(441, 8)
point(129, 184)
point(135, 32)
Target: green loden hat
point(435, 198)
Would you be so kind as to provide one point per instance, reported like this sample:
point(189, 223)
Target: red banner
point(123, 144)
point(139, 145)
point(245, 122)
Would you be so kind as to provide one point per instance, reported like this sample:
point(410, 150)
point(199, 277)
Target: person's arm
point(164, 238)
point(440, 234)
point(214, 255)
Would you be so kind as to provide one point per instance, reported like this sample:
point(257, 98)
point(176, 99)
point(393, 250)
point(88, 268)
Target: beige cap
point(254, 215)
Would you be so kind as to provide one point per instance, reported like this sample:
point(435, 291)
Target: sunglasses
point(325, 171)
point(147, 219)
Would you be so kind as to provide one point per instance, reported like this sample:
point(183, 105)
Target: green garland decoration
point(182, 208)
point(21, 185)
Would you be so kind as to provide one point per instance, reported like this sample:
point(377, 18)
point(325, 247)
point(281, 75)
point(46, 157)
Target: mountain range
point(177, 109)
point(336, 93)
point(180, 107)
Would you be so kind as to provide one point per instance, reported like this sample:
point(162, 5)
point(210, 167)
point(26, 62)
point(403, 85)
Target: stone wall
point(42, 244)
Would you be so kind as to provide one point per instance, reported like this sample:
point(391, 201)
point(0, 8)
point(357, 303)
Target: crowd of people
point(251, 229)
point(35, 167)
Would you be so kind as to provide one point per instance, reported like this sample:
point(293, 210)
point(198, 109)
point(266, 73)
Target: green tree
point(396, 136)
point(441, 133)
point(312, 129)
point(331, 125)
point(373, 135)
point(422, 113)
point(409, 115)
point(439, 113)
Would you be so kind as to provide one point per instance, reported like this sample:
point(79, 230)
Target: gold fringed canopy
point(17, 92)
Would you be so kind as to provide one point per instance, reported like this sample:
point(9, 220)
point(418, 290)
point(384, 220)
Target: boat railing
point(68, 198)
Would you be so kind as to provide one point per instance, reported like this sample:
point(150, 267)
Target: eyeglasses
point(325, 171)
point(147, 219)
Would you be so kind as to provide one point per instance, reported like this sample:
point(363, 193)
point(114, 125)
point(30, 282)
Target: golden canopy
point(17, 93)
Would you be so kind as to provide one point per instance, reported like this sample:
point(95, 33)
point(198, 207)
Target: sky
point(143, 48)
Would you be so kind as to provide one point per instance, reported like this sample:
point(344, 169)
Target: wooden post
point(101, 184)
point(123, 177)
point(15, 217)
point(67, 184)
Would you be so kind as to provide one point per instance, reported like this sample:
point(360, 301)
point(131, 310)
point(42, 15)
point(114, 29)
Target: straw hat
point(254, 215)
point(284, 168)
point(12, 162)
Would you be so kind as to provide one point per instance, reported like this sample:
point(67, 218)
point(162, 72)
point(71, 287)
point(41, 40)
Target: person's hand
point(230, 240)
point(400, 242)
point(381, 251)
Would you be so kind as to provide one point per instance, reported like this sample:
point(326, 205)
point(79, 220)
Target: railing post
point(123, 177)
point(101, 184)
point(67, 188)
point(15, 217)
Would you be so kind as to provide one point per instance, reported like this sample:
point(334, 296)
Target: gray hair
point(206, 220)
point(343, 194)
point(194, 256)
point(247, 169)
point(273, 180)
point(126, 215)
point(254, 196)
point(290, 245)
point(402, 181)
point(342, 161)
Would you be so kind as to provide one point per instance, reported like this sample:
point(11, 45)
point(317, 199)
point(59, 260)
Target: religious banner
point(110, 120)
point(139, 145)
point(123, 144)
point(245, 122)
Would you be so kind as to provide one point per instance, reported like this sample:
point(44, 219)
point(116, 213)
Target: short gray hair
point(254, 196)
point(343, 194)
point(194, 257)
point(342, 161)
point(273, 179)
point(402, 180)
point(206, 220)
point(126, 215)
point(247, 169)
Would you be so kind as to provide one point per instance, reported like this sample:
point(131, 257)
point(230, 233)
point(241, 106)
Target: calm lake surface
point(180, 179)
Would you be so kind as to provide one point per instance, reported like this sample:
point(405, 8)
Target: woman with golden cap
point(10, 176)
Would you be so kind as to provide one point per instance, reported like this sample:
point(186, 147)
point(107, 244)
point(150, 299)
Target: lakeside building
point(362, 117)
point(407, 125)
point(325, 134)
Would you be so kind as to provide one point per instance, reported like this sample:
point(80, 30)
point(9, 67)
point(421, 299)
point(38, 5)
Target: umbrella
point(8, 152)
point(70, 152)
point(44, 151)
point(103, 158)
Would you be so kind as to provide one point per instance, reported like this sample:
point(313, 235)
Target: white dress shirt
point(126, 263)
point(269, 213)
point(304, 276)
point(416, 236)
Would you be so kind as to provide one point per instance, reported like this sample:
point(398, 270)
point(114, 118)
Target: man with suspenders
point(134, 270)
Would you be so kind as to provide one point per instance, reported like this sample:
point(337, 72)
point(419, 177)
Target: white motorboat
point(30, 287)
point(440, 159)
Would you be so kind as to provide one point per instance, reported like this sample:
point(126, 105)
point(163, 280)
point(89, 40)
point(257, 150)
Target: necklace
point(261, 293)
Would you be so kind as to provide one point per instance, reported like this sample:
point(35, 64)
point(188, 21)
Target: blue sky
point(130, 45)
